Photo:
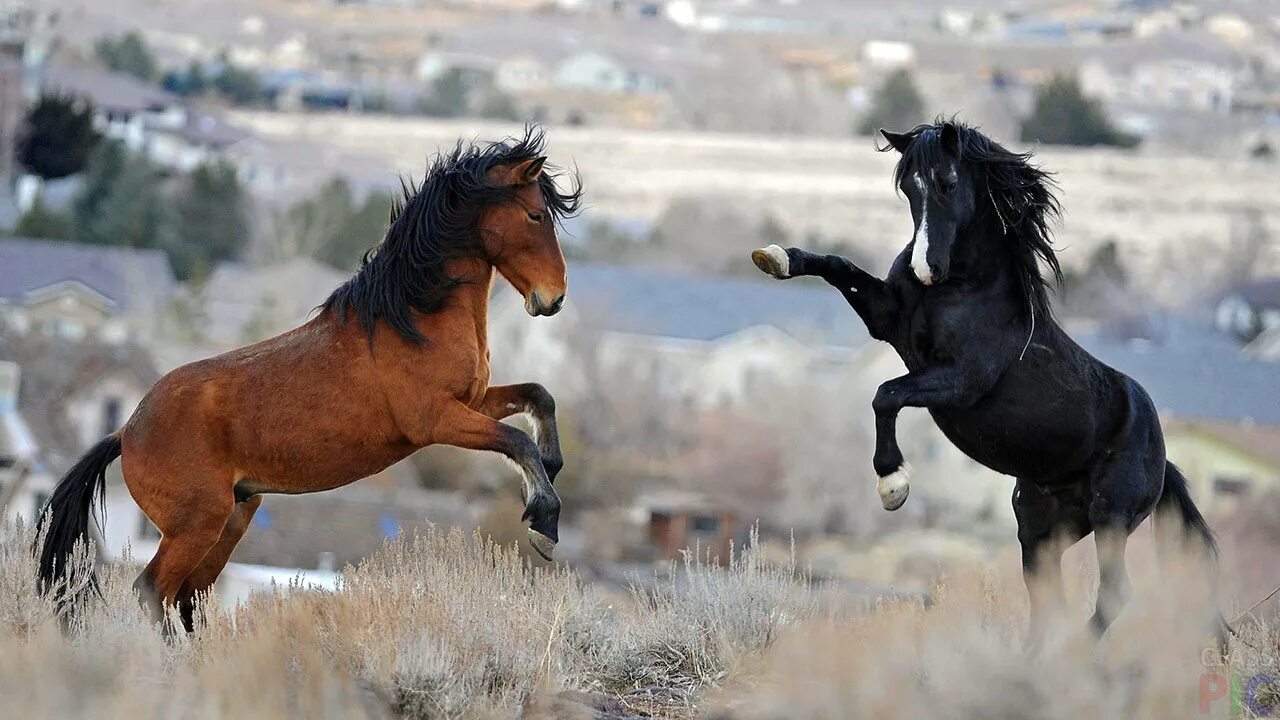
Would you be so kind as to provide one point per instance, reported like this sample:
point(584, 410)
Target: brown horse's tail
point(1177, 498)
point(64, 521)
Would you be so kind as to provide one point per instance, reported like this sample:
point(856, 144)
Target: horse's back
point(279, 411)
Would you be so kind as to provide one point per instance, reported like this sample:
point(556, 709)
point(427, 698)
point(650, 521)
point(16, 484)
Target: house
point(701, 340)
point(244, 304)
point(1249, 310)
point(1228, 463)
point(146, 118)
point(1188, 71)
point(675, 521)
point(75, 291)
point(602, 73)
point(24, 482)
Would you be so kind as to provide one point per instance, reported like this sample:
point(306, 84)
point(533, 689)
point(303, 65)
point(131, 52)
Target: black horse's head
point(940, 188)
point(963, 184)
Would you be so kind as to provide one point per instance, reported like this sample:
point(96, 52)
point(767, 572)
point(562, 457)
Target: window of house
point(1231, 486)
point(705, 523)
point(111, 408)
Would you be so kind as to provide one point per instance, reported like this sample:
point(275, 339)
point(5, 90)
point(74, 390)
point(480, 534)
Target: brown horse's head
point(495, 202)
point(520, 236)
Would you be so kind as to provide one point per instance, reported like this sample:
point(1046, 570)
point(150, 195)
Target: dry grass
point(445, 626)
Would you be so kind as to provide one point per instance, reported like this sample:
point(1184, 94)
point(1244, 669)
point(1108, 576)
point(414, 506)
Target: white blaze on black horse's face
point(941, 198)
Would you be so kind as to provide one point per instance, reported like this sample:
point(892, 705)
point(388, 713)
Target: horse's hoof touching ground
point(541, 543)
point(894, 488)
point(772, 260)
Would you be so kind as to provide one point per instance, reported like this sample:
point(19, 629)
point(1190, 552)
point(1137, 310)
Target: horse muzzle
point(535, 305)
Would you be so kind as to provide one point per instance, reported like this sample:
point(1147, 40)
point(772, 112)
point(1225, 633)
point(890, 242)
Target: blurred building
point(75, 291)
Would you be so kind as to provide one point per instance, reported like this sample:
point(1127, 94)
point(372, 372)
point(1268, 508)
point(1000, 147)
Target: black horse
point(966, 307)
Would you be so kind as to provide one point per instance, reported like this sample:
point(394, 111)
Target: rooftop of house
point(134, 280)
point(107, 90)
point(1260, 441)
point(1191, 371)
point(1259, 294)
point(664, 303)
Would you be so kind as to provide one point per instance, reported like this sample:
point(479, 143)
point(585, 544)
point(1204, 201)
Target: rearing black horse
point(966, 307)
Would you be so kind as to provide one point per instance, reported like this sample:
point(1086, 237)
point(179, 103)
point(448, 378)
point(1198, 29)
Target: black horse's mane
point(1023, 197)
point(435, 222)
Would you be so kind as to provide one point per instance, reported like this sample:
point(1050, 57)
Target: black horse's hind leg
point(867, 294)
point(1124, 493)
point(1048, 523)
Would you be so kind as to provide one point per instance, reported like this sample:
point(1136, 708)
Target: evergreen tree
point(211, 215)
point(239, 85)
point(57, 137)
point(127, 54)
point(41, 222)
point(449, 95)
point(120, 202)
point(1063, 115)
point(897, 105)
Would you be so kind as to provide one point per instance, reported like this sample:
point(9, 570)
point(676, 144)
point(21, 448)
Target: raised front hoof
point(541, 544)
point(773, 261)
point(894, 488)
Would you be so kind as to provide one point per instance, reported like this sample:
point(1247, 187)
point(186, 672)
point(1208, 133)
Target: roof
point(669, 304)
point(1193, 372)
point(107, 90)
point(134, 280)
point(206, 130)
point(1259, 294)
point(1261, 441)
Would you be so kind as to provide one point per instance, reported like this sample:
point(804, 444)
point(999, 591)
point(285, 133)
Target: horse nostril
point(556, 305)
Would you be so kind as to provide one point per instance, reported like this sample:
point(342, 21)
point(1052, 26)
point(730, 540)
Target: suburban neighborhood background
point(178, 178)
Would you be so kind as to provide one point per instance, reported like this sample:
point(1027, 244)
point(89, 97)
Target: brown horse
point(396, 359)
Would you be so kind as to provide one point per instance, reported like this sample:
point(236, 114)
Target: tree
point(332, 226)
point(1063, 115)
point(211, 218)
point(57, 137)
point(120, 201)
point(187, 83)
point(897, 105)
point(127, 54)
point(239, 85)
point(449, 95)
point(41, 222)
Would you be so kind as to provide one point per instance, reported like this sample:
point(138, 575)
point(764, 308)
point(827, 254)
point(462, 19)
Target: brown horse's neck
point(470, 299)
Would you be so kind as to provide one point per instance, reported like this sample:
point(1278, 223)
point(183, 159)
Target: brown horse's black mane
point(435, 222)
point(1023, 197)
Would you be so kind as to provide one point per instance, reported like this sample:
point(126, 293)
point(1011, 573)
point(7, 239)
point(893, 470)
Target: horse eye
point(948, 185)
point(535, 217)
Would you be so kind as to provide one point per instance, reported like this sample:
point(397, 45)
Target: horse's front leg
point(506, 400)
point(934, 387)
point(463, 427)
point(866, 293)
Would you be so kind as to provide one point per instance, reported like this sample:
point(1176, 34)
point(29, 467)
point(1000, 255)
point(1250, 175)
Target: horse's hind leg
point(203, 577)
point(1124, 493)
point(1046, 527)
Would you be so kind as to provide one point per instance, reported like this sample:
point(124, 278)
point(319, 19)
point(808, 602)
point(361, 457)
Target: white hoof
point(894, 488)
point(773, 260)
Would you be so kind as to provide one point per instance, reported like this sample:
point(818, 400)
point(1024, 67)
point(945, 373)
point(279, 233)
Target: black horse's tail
point(1177, 497)
point(64, 521)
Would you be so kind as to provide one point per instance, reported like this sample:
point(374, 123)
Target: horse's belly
point(1036, 446)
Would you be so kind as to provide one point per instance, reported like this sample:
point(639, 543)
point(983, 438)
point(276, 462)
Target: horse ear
point(527, 171)
point(951, 138)
point(897, 141)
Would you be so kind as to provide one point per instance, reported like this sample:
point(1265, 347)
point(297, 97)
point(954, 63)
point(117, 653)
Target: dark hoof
point(773, 261)
point(544, 545)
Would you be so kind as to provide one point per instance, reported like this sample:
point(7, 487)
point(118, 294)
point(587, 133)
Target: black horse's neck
point(984, 253)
